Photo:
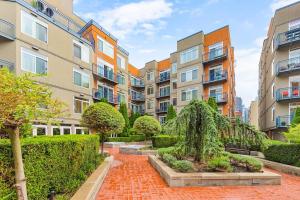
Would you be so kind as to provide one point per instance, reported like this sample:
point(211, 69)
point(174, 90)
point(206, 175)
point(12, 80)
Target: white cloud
point(138, 17)
point(167, 36)
point(281, 3)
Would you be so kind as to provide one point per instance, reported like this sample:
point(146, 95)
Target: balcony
point(221, 98)
point(98, 95)
point(139, 85)
point(287, 38)
point(104, 75)
point(288, 67)
point(7, 30)
point(163, 78)
point(162, 95)
point(217, 54)
point(162, 110)
point(289, 94)
point(138, 98)
point(283, 121)
point(218, 77)
point(9, 65)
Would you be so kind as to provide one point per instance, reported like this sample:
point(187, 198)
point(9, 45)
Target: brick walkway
point(132, 177)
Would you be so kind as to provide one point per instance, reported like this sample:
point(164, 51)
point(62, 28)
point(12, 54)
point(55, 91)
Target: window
point(39, 130)
point(80, 104)
point(273, 114)
point(174, 84)
point(174, 68)
point(294, 24)
point(136, 81)
point(163, 106)
point(81, 79)
point(121, 62)
point(174, 102)
point(217, 93)
point(164, 91)
point(66, 130)
point(188, 95)
point(34, 27)
point(105, 92)
point(81, 51)
point(121, 79)
point(190, 75)
point(215, 50)
point(150, 76)
point(33, 62)
point(121, 98)
point(105, 69)
point(189, 55)
point(165, 75)
point(55, 130)
point(150, 104)
point(215, 73)
point(105, 47)
point(162, 119)
point(150, 90)
point(81, 131)
point(273, 67)
point(273, 90)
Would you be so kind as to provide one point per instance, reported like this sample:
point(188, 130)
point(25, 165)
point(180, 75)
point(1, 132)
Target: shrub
point(147, 125)
point(169, 159)
point(162, 151)
point(296, 118)
point(160, 141)
point(171, 113)
point(283, 153)
point(133, 117)
point(293, 134)
point(183, 165)
point(124, 111)
point(220, 163)
point(131, 138)
point(61, 163)
point(252, 164)
point(267, 143)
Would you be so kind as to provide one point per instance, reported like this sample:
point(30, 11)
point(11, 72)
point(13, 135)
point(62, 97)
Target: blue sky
point(149, 29)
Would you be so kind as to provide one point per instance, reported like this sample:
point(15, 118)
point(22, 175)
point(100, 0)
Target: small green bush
point(162, 151)
point(131, 138)
point(160, 141)
point(251, 164)
point(183, 165)
point(293, 134)
point(61, 163)
point(147, 125)
point(169, 159)
point(220, 163)
point(283, 153)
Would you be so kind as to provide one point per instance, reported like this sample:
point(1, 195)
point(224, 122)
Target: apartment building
point(253, 114)
point(279, 74)
point(201, 67)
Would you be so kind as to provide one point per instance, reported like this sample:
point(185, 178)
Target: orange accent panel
point(164, 65)
point(133, 70)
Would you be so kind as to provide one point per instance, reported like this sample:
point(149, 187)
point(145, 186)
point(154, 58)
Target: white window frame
point(184, 55)
point(80, 128)
point(103, 62)
point(217, 45)
point(189, 90)
point(151, 76)
point(215, 88)
point(82, 74)
point(108, 49)
point(36, 21)
point(85, 51)
point(273, 90)
point(35, 127)
point(294, 23)
point(151, 103)
point(294, 53)
point(86, 100)
point(174, 66)
point(186, 73)
point(60, 130)
point(273, 114)
point(66, 127)
point(161, 117)
point(122, 61)
point(36, 55)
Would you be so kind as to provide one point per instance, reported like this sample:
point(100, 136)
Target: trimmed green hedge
point(284, 153)
point(131, 138)
point(160, 141)
point(61, 163)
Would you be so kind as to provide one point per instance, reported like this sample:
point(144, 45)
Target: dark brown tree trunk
point(18, 162)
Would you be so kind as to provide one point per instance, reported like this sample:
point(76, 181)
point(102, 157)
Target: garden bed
point(137, 150)
point(176, 179)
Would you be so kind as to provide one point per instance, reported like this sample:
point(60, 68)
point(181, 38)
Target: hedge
point(131, 138)
point(284, 153)
point(60, 163)
point(160, 141)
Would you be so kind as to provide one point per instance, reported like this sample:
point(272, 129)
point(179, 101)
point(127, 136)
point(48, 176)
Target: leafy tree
point(212, 102)
point(133, 117)
point(296, 119)
point(171, 114)
point(22, 101)
point(293, 134)
point(124, 111)
point(147, 125)
point(104, 100)
point(104, 119)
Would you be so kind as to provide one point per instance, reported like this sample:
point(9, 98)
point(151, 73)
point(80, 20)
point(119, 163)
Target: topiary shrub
point(293, 134)
point(251, 164)
point(147, 125)
point(283, 153)
point(162, 151)
point(169, 159)
point(183, 165)
point(160, 141)
point(221, 163)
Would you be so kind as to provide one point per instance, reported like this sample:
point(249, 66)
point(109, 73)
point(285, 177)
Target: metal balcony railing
point(9, 65)
point(215, 77)
point(7, 30)
point(162, 94)
point(98, 95)
point(162, 110)
point(163, 78)
point(289, 93)
point(287, 38)
point(283, 121)
point(105, 74)
point(215, 54)
point(288, 66)
point(219, 97)
point(138, 98)
point(137, 84)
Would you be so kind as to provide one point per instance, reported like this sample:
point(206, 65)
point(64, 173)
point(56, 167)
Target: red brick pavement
point(132, 177)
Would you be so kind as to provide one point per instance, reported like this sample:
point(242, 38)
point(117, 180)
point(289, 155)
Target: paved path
point(132, 177)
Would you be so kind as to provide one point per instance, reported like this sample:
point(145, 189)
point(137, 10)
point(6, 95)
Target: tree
point(171, 114)
point(133, 117)
point(296, 117)
point(147, 125)
point(124, 111)
point(104, 100)
point(213, 104)
point(104, 119)
point(22, 101)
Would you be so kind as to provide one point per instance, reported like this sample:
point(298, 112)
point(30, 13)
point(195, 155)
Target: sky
point(149, 29)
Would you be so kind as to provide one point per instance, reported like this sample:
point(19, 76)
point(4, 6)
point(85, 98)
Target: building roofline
point(284, 7)
point(217, 29)
point(190, 36)
point(123, 50)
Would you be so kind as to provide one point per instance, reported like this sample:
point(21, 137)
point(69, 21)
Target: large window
point(164, 91)
point(294, 24)
point(81, 51)
point(150, 104)
point(81, 79)
point(106, 93)
point(121, 98)
point(33, 62)
point(105, 69)
point(150, 76)
point(33, 27)
point(80, 104)
point(163, 106)
point(105, 47)
point(174, 68)
point(189, 75)
point(120, 62)
point(150, 90)
point(189, 55)
point(215, 50)
point(121, 79)
point(188, 95)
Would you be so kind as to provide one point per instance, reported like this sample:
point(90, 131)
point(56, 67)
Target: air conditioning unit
point(42, 7)
point(49, 12)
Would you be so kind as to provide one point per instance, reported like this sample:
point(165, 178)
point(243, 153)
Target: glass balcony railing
point(163, 109)
point(9, 65)
point(287, 38)
point(288, 66)
point(283, 121)
point(163, 78)
point(7, 30)
point(162, 94)
point(215, 54)
point(104, 73)
point(138, 84)
point(98, 95)
point(219, 97)
point(288, 93)
point(139, 97)
point(215, 77)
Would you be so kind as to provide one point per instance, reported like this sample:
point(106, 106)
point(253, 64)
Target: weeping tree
point(133, 117)
point(22, 101)
point(124, 111)
point(213, 104)
point(171, 113)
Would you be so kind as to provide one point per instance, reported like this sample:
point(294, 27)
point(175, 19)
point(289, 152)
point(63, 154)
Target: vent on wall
point(42, 7)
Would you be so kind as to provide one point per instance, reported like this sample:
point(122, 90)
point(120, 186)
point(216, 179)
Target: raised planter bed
point(89, 190)
point(176, 179)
